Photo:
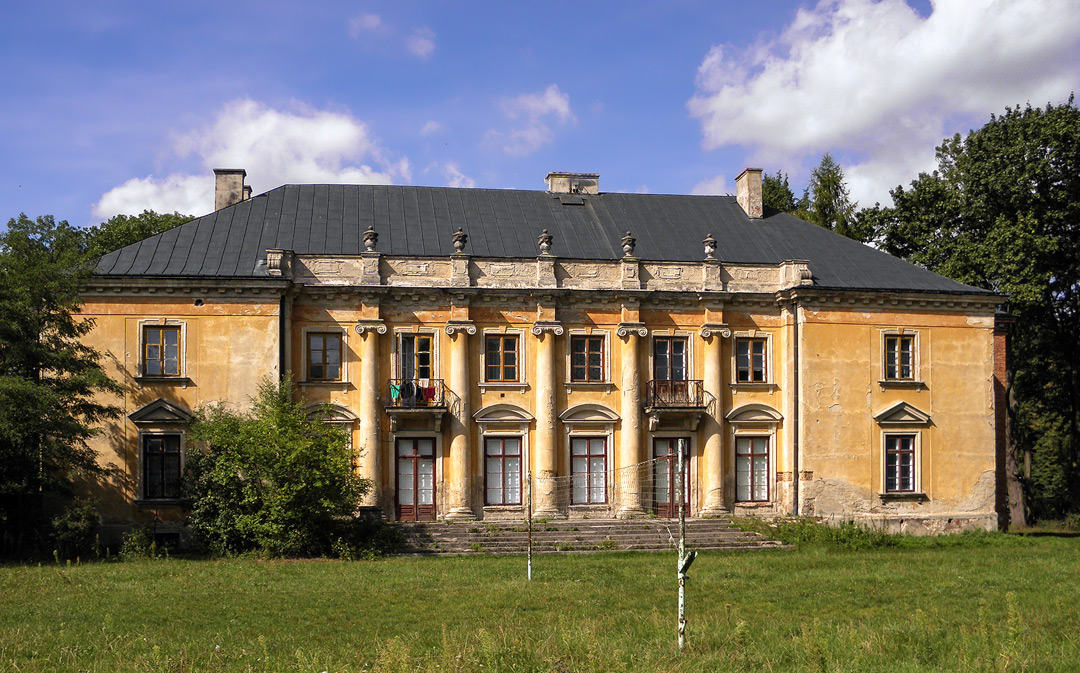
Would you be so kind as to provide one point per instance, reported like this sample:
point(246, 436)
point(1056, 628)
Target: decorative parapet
point(279, 262)
point(795, 272)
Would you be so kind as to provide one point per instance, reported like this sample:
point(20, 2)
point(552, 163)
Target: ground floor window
point(752, 469)
point(502, 474)
point(588, 457)
point(161, 466)
point(900, 463)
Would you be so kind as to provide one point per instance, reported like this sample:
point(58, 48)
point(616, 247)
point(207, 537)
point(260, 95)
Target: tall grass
point(982, 608)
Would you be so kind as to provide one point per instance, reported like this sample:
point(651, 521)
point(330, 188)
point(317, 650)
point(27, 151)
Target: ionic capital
point(377, 326)
point(626, 328)
point(707, 330)
point(460, 326)
point(555, 328)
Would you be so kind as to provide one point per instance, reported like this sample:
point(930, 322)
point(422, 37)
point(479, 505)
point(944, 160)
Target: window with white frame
point(323, 351)
point(161, 350)
point(416, 353)
point(751, 469)
point(501, 358)
point(751, 359)
point(900, 475)
point(161, 463)
point(588, 464)
point(587, 358)
point(502, 472)
point(900, 357)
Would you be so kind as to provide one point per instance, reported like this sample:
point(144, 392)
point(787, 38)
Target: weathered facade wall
point(824, 409)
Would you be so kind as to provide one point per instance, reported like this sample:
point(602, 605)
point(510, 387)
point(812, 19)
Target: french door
point(665, 493)
point(416, 479)
point(670, 371)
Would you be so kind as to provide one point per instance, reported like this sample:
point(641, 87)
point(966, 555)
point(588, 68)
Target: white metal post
point(681, 447)
point(528, 508)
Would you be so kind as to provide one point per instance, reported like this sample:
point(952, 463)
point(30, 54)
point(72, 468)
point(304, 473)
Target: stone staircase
point(574, 536)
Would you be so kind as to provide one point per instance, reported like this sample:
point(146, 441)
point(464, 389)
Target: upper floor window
point(751, 359)
point(670, 358)
point(415, 352)
point(161, 466)
point(501, 358)
point(324, 357)
point(899, 357)
point(161, 351)
point(587, 359)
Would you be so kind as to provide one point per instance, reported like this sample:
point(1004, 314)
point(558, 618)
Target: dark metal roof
point(330, 220)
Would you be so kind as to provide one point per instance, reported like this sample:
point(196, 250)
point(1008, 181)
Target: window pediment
point(502, 413)
point(330, 413)
point(160, 412)
point(589, 414)
point(754, 413)
point(902, 413)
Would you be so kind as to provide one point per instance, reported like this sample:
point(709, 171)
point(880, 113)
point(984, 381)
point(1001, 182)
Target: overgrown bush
point(272, 480)
point(139, 545)
point(74, 530)
point(854, 535)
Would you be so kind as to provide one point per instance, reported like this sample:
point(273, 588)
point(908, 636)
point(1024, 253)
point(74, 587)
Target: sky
point(118, 107)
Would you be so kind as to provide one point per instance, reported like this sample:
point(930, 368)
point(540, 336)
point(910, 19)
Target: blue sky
point(119, 106)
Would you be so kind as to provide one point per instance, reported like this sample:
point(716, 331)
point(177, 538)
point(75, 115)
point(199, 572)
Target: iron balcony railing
point(675, 394)
point(417, 393)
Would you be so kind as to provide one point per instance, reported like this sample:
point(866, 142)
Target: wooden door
point(665, 450)
point(416, 479)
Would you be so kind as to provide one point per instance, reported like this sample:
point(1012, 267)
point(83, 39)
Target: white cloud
point(880, 86)
point(303, 145)
point(422, 42)
point(454, 177)
point(430, 128)
point(533, 110)
point(713, 186)
point(368, 22)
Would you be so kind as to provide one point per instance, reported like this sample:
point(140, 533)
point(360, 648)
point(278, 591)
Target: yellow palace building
point(474, 339)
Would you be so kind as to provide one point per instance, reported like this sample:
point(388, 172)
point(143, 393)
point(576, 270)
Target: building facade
point(485, 346)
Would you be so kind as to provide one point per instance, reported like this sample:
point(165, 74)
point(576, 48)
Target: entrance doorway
point(416, 479)
point(665, 450)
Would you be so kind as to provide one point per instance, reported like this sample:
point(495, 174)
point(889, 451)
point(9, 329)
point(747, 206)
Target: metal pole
point(528, 500)
point(681, 447)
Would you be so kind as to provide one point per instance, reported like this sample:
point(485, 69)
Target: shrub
point(74, 530)
point(273, 480)
point(853, 535)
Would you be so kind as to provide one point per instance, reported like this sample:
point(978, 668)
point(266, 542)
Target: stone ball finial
point(628, 244)
point(460, 239)
point(371, 238)
point(710, 246)
point(544, 240)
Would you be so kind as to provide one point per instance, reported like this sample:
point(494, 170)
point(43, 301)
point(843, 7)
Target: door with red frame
point(416, 479)
point(665, 491)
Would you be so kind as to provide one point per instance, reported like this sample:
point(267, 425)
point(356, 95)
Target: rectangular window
point(587, 359)
point(752, 469)
point(161, 351)
point(750, 360)
point(502, 475)
point(501, 362)
point(900, 357)
point(324, 357)
point(669, 358)
point(161, 467)
point(900, 463)
point(588, 457)
point(415, 351)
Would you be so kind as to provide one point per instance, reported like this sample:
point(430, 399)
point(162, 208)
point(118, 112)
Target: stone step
point(574, 536)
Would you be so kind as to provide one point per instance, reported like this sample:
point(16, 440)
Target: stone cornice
point(840, 298)
point(105, 286)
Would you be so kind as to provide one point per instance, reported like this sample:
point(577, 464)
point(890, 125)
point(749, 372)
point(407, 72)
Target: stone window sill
point(900, 384)
point(748, 387)
point(903, 497)
point(574, 386)
point(325, 384)
point(521, 386)
point(181, 381)
point(146, 503)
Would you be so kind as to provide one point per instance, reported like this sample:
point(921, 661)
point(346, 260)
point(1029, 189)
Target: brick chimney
point(573, 183)
point(748, 191)
point(229, 188)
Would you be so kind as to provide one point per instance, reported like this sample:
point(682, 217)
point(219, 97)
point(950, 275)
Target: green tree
point(776, 193)
point(272, 480)
point(827, 202)
point(121, 230)
point(53, 390)
point(1002, 212)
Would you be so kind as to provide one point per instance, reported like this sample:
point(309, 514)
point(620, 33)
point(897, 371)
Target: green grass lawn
point(1009, 606)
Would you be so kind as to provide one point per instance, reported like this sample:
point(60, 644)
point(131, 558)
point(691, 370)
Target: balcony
point(675, 395)
point(416, 404)
point(675, 405)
